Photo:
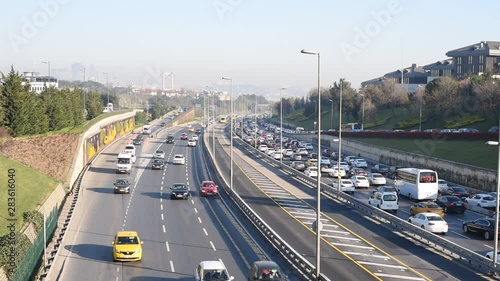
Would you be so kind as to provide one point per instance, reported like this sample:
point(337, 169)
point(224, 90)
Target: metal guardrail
point(269, 234)
point(466, 256)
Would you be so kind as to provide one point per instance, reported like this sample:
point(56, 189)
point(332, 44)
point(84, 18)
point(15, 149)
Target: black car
point(139, 137)
point(122, 186)
point(483, 226)
point(266, 270)
point(380, 168)
point(391, 172)
point(158, 164)
point(451, 203)
point(198, 131)
point(179, 191)
point(170, 139)
point(137, 141)
point(456, 191)
point(163, 124)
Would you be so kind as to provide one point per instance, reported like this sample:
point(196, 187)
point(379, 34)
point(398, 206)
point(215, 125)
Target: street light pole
point(256, 120)
point(497, 200)
point(331, 117)
point(281, 126)
point(363, 113)
point(420, 110)
point(318, 187)
point(231, 131)
point(84, 96)
point(340, 135)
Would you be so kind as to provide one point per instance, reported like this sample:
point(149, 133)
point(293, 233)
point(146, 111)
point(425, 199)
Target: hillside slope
point(52, 155)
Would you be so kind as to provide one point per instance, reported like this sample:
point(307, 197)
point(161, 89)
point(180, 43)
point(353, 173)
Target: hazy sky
point(254, 42)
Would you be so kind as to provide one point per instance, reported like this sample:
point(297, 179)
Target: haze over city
point(256, 43)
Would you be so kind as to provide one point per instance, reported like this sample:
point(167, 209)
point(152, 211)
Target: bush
point(377, 123)
point(408, 123)
point(462, 122)
point(140, 118)
point(22, 244)
point(34, 217)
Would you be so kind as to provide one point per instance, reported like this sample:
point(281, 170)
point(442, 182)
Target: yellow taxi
point(311, 162)
point(426, 207)
point(191, 129)
point(127, 246)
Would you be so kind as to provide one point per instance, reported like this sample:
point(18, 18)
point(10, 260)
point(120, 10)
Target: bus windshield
point(427, 177)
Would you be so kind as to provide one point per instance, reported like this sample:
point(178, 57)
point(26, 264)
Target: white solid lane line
point(382, 265)
point(399, 277)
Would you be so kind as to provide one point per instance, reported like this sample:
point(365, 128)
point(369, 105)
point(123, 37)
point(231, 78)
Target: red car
point(184, 137)
point(208, 188)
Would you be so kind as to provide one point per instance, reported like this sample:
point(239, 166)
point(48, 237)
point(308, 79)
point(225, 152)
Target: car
point(426, 207)
point(345, 185)
point(302, 151)
point(191, 143)
point(380, 168)
point(391, 173)
point(179, 190)
point(140, 137)
point(212, 271)
point(358, 172)
point(311, 162)
point(360, 181)
point(335, 173)
point(266, 270)
point(442, 185)
point(457, 191)
point(451, 203)
point(344, 165)
point(360, 163)
point(179, 159)
point(137, 141)
point(127, 246)
point(328, 169)
point(158, 164)
point(191, 129)
point(386, 188)
point(122, 185)
point(159, 154)
point(430, 221)
point(327, 152)
point(270, 151)
point(376, 179)
point(277, 155)
point(482, 226)
point(387, 201)
point(481, 200)
point(489, 255)
point(289, 153)
point(208, 187)
point(493, 129)
point(263, 148)
point(311, 171)
point(198, 131)
point(298, 165)
point(194, 137)
point(184, 137)
point(163, 124)
point(325, 161)
point(308, 146)
point(170, 138)
point(296, 157)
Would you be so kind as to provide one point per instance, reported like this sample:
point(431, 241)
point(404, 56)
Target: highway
point(353, 244)
point(177, 234)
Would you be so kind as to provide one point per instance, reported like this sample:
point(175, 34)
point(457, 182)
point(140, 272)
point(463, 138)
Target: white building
point(38, 83)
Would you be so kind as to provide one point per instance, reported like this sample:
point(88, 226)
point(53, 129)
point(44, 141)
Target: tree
point(488, 95)
point(442, 94)
point(94, 105)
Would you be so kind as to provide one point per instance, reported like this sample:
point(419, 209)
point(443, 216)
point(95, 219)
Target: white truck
point(130, 149)
point(124, 163)
point(146, 130)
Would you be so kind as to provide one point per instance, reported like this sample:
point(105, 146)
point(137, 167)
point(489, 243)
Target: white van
point(124, 163)
point(387, 201)
point(130, 149)
point(146, 130)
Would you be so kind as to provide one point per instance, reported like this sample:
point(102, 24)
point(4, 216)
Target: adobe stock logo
point(31, 26)
point(222, 7)
point(363, 37)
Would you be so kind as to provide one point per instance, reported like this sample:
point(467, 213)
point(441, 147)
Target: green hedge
point(408, 123)
point(376, 123)
point(462, 122)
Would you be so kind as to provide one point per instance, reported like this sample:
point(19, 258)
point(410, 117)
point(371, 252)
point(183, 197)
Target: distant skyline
point(256, 43)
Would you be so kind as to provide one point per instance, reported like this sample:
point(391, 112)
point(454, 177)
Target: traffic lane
point(455, 232)
point(295, 233)
point(313, 202)
point(97, 218)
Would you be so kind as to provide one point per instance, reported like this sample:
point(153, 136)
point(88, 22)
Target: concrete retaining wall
point(467, 175)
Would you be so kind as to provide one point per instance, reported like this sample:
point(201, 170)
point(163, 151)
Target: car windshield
point(459, 189)
point(390, 197)
point(488, 198)
point(433, 206)
point(121, 182)
point(434, 218)
point(178, 186)
point(127, 240)
point(454, 199)
point(215, 275)
point(157, 161)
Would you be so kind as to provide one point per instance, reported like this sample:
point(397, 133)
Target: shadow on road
point(92, 251)
point(108, 190)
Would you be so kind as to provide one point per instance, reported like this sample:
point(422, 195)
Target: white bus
point(416, 184)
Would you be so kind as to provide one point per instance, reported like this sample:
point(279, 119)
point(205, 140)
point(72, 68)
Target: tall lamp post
point(362, 112)
point(84, 96)
point(256, 120)
point(318, 187)
point(281, 126)
point(331, 116)
point(420, 108)
point(340, 134)
point(231, 131)
point(497, 208)
point(105, 73)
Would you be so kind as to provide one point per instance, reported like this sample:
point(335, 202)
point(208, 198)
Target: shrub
point(462, 122)
point(408, 123)
point(34, 217)
point(377, 123)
